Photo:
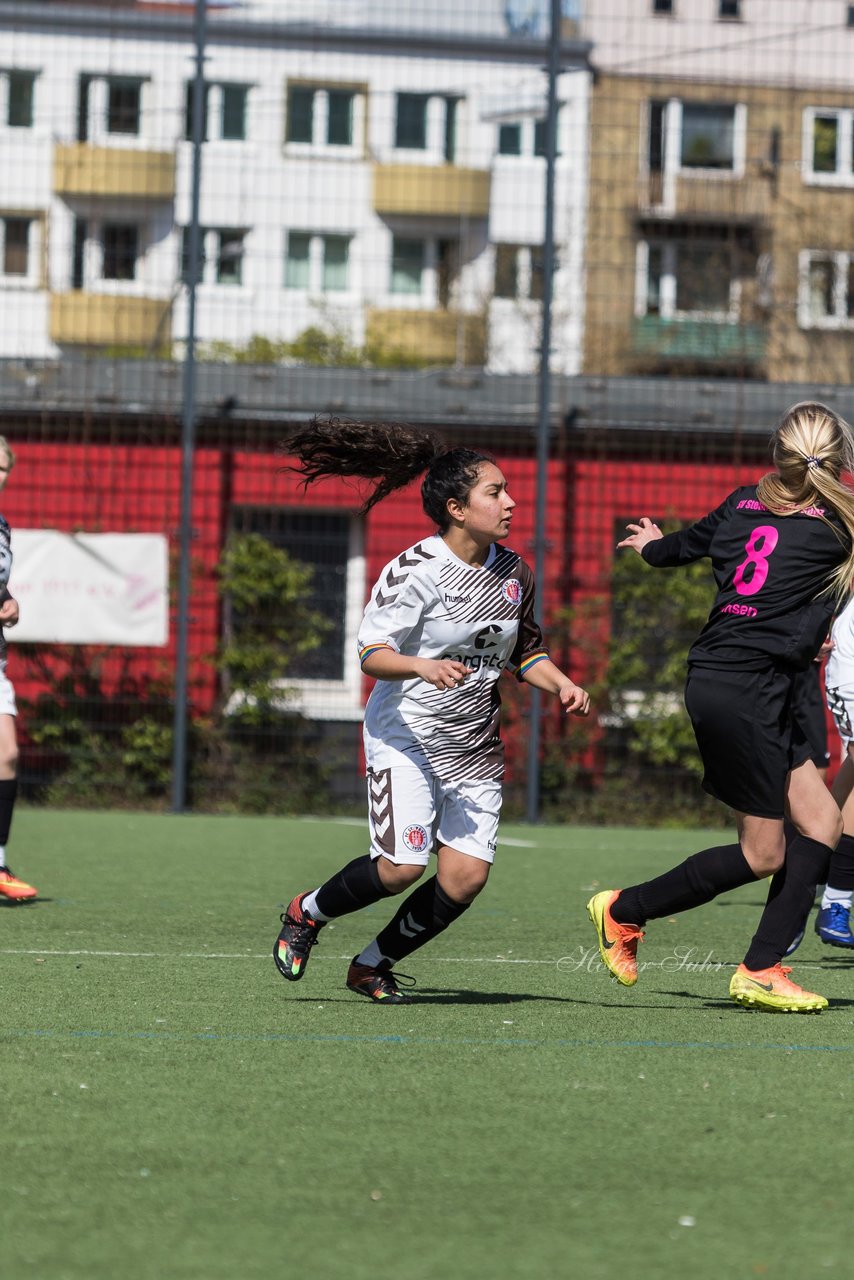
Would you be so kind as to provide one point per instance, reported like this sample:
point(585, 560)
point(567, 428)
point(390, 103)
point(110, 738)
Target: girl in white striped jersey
point(833, 924)
point(445, 618)
point(12, 889)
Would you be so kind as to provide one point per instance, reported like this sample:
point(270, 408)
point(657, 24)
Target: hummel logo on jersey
point(457, 599)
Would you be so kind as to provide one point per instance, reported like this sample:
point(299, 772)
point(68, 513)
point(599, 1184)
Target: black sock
point(355, 886)
point(698, 879)
point(841, 873)
point(8, 792)
point(423, 915)
point(790, 897)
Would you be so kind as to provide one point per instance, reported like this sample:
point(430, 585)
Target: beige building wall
point(769, 214)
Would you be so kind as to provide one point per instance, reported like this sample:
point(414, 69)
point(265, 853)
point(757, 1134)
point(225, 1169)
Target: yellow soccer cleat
point(14, 889)
point(618, 943)
point(773, 989)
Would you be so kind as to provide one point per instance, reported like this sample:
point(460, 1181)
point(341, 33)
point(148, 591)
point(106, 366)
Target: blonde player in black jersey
point(782, 552)
point(445, 618)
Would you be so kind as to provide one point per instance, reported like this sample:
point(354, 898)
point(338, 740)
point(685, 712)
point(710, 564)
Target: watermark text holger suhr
point(685, 959)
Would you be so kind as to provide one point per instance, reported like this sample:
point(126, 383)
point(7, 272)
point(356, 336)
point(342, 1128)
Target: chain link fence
point(371, 217)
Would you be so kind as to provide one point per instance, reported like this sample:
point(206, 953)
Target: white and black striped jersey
point(5, 570)
point(5, 555)
point(429, 604)
point(840, 660)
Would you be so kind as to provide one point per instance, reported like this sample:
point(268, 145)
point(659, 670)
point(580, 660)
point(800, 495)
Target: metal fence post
point(544, 399)
point(188, 428)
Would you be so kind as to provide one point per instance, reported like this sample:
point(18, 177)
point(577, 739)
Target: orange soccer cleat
point(14, 889)
point(773, 989)
point(618, 943)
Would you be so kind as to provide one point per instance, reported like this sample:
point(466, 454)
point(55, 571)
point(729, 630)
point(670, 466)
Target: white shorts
point(410, 811)
point(840, 704)
point(8, 707)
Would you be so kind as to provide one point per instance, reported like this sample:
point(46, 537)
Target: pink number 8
point(757, 556)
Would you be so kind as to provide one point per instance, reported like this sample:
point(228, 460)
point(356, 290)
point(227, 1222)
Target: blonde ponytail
point(812, 447)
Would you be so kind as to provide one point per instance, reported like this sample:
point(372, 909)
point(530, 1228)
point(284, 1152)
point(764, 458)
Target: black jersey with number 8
point(770, 571)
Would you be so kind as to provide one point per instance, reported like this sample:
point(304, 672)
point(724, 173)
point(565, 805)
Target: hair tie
point(812, 462)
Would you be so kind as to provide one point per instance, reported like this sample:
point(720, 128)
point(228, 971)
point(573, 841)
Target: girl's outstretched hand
point(575, 700)
point(640, 534)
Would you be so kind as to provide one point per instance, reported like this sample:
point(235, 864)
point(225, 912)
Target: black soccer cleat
point(379, 985)
point(293, 945)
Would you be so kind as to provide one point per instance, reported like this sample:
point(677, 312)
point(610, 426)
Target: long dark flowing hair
point(389, 455)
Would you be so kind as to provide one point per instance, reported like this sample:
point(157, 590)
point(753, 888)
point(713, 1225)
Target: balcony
point(443, 191)
point(83, 170)
point(700, 341)
point(434, 337)
point(108, 320)
point(705, 199)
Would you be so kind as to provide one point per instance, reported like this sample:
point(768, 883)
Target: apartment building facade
point(365, 176)
point(721, 217)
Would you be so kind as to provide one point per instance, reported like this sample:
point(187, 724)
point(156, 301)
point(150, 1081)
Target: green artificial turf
point(173, 1109)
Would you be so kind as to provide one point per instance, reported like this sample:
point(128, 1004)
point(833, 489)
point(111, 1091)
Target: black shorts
point(808, 710)
point(748, 738)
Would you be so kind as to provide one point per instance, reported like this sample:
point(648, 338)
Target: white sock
point(309, 906)
point(843, 896)
point(2, 856)
point(371, 955)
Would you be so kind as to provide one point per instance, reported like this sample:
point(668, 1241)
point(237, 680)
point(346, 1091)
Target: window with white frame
point(224, 111)
point(19, 247)
point(695, 137)
point(519, 272)
point(730, 9)
point(222, 251)
point(331, 543)
point(426, 270)
point(522, 138)
point(17, 99)
point(324, 116)
point(108, 105)
point(828, 146)
point(105, 249)
point(317, 263)
point(120, 242)
point(708, 136)
point(408, 260)
point(78, 253)
point(427, 122)
point(826, 289)
point(692, 278)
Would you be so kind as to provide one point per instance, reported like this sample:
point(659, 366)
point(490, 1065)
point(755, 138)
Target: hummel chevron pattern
point(409, 928)
point(394, 580)
point(418, 553)
point(382, 818)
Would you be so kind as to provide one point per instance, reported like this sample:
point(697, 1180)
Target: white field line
point(241, 955)
point(587, 961)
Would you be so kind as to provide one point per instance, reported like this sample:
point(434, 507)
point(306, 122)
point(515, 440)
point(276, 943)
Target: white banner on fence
point(90, 588)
